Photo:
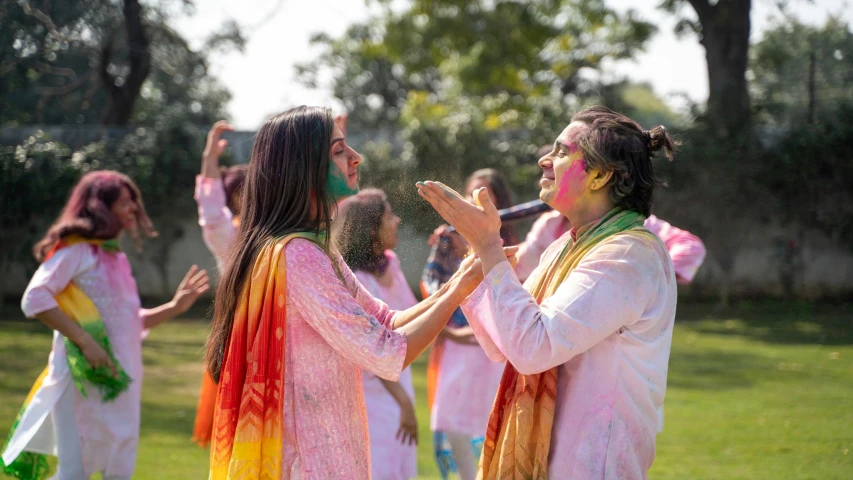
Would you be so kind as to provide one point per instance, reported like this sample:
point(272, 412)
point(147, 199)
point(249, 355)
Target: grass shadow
point(787, 323)
point(716, 370)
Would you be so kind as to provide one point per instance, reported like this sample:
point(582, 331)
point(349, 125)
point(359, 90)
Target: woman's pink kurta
point(390, 459)
point(108, 432)
point(465, 391)
point(335, 330)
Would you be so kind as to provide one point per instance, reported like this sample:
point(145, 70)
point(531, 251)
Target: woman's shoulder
point(80, 252)
point(303, 250)
point(392, 257)
point(70, 260)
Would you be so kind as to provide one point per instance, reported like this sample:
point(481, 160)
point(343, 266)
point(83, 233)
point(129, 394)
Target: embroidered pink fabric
point(335, 330)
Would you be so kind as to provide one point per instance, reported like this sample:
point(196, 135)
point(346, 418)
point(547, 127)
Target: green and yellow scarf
point(518, 436)
point(78, 306)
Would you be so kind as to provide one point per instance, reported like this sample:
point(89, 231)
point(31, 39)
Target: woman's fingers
point(199, 279)
point(188, 276)
point(112, 367)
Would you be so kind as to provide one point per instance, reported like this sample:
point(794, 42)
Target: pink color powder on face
point(572, 176)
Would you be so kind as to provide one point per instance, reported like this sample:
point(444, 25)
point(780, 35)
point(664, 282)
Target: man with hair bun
point(685, 249)
point(586, 339)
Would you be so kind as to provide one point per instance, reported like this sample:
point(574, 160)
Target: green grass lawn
point(758, 391)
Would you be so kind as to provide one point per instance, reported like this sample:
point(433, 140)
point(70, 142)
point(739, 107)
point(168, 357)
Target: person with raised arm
point(85, 406)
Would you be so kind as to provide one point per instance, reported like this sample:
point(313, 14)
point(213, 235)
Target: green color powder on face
point(336, 184)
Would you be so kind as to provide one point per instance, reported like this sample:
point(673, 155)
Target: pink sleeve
point(686, 250)
point(545, 231)
point(371, 305)
point(216, 220)
point(53, 276)
point(353, 322)
point(480, 332)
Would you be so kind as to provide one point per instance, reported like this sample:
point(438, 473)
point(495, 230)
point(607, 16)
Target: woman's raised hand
point(194, 284)
point(213, 149)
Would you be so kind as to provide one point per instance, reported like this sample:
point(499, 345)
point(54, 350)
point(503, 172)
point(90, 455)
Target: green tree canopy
point(103, 61)
point(472, 84)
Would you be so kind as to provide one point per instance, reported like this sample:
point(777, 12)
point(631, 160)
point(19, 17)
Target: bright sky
point(262, 78)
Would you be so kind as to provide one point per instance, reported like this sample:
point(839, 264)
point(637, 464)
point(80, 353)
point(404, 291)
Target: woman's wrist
point(209, 166)
point(82, 340)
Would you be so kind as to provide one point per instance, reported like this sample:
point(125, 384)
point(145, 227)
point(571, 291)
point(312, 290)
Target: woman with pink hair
point(85, 406)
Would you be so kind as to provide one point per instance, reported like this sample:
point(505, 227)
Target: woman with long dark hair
point(85, 406)
point(461, 380)
point(218, 193)
point(365, 232)
point(293, 328)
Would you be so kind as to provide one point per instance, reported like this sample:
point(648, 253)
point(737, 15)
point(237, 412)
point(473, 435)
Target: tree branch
point(65, 72)
point(106, 56)
point(48, 91)
point(703, 9)
point(45, 19)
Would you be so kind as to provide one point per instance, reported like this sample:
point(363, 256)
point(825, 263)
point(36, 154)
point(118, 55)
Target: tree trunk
point(123, 92)
point(725, 36)
point(812, 93)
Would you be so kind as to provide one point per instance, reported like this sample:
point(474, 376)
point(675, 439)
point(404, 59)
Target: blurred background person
point(217, 193)
point(461, 380)
point(365, 232)
point(84, 290)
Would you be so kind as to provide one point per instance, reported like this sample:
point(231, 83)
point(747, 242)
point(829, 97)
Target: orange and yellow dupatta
point(247, 425)
point(518, 436)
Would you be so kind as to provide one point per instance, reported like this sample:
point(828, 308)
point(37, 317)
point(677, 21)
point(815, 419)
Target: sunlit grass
point(755, 392)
